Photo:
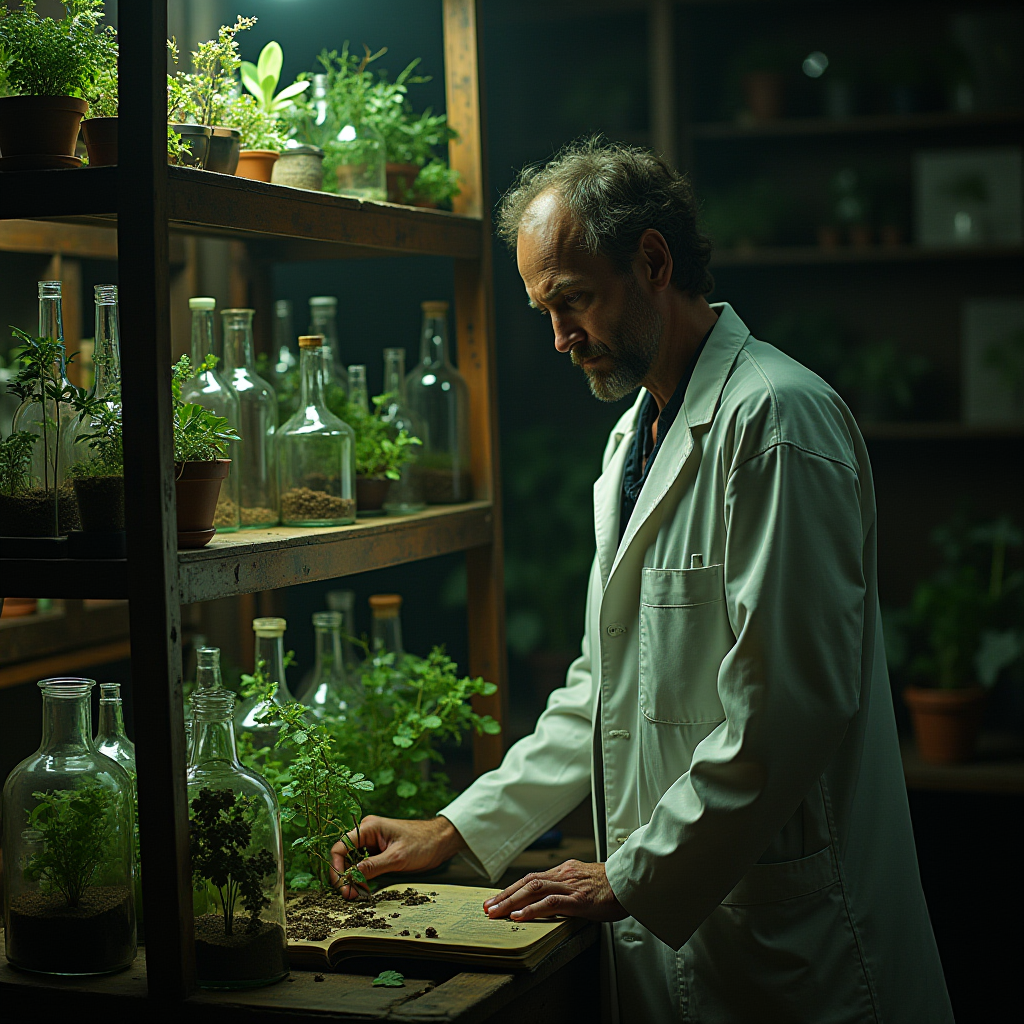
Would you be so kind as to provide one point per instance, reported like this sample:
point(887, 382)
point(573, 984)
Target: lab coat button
point(616, 629)
point(618, 734)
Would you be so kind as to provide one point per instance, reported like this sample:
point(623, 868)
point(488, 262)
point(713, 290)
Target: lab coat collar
point(702, 397)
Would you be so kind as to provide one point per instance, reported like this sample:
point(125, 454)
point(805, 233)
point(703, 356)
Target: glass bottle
point(358, 395)
point(344, 601)
point(438, 393)
point(235, 840)
point(212, 390)
point(257, 423)
point(323, 690)
point(386, 628)
point(69, 901)
point(269, 660)
point(96, 466)
point(111, 738)
point(46, 507)
point(316, 452)
point(405, 494)
point(323, 319)
point(362, 166)
point(207, 678)
point(284, 375)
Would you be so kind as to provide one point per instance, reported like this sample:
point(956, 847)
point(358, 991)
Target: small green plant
point(199, 435)
point(380, 451)
point(15, 462)
point(390, 979)
point(42, 56)
point(106, 442)
point(436, 183)
point(220, 834)
point(76, 827)
point(102, 94)
point(261, 80)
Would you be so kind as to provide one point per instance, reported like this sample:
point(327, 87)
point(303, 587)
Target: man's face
point(602, 318)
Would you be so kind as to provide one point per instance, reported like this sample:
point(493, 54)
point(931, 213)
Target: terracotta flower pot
point(946, 722)
point(197, 487)
point(763, 93)
point(18, 607)
point(100, 134)
point(400, 178)
point(371, 492)
point(225, 145)
point(40, 128)
point(257, 164)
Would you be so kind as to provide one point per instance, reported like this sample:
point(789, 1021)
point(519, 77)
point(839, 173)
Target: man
point(730, 710)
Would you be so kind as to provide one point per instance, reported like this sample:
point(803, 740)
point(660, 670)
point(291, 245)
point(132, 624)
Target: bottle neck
point(312, 366)
point(357, 391)
point(329, 658)
point(213, 741)
point(106, 355)
point(202, 336)
point(51, 325)
point(208, 670)
point(434, 342)
point(386, 633)
point(270, 651)
point(111, 720)
point(238, 344)
point(394, 374)
point(67, 723)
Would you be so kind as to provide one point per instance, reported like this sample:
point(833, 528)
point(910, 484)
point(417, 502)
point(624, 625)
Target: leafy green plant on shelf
point(261, 80)
point(16, 462)
point(380, 451)
point(199, 435)
point(42, 56)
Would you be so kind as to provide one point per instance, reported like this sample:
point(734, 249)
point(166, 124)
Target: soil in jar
point(227, 514)
point(98, 935)
point(242, 956)
point(100, 503)
point(444, 486)
point(30, 513)
point(304, 505)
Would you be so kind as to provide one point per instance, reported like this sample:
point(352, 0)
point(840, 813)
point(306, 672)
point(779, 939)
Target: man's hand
point(400, 845)
point(572, 889)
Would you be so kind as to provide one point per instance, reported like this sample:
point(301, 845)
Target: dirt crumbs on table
point(431, 933)
point(315, 915)
point(318, 977)
point(301, 504)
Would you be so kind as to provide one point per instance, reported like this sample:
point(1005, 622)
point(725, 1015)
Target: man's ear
point(655, 260)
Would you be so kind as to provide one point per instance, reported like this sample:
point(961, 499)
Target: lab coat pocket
point(684, 635)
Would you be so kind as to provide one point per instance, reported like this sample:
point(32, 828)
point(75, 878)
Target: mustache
point(582, 351)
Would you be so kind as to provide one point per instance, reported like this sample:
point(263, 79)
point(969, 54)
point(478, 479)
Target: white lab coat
point(734, 722)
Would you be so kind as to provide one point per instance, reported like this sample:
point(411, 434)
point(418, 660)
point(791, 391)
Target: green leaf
point(300, 737)
point(270, 63)
point(406, 789)
point(390, 979)
point(385, 776)
point(490, 726)
point(401, 741)
point(431, 722)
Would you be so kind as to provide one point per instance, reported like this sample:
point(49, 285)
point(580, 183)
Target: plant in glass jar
point(68, 863)
point(382, 451)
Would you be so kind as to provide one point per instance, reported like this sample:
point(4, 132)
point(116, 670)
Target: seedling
point(199, 435)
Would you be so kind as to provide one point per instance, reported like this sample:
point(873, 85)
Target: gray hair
point(614, 193)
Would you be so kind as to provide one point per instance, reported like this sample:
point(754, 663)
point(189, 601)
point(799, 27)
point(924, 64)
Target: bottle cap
point(271, 627)
point(105, 294)
point(434, 306)
point(385, 605)
point(327, 619)
point(202, 302)
point(311, 340)
point(323, 300)
point(283, 307)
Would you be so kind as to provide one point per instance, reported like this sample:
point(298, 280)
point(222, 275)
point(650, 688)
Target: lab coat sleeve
point(542, 777)
point(795, 591)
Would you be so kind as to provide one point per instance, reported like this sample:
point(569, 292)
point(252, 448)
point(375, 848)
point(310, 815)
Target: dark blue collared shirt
point(644, 446)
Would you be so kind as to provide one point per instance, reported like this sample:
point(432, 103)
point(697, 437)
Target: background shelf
point(811, 255)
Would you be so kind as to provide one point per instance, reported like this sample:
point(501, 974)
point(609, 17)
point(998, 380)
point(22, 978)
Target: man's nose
point(567, 334)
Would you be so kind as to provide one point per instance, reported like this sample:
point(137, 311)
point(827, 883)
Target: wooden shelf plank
point(876, 124)
point(809, 255)
point(941, 431)
point(254, 560)
point(998, 769)
point(300, 224)
point(68, 626)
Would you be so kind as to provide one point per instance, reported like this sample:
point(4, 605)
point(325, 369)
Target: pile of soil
point(97, 936)
point(100, 503)
point(228, 515)
point(444, 486)
point(253, 515)
point(314, 915)
point(30, 513)
point(302, 505)
point(255, 957)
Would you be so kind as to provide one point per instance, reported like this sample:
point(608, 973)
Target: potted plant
point(99, 129)
point(381, 452)
point(966, 624)
point(200, 444)
point(15, 480)
point(98, 479)
point(51, 66)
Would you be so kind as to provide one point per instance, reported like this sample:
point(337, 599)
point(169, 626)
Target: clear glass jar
point(361, 162)
point(46, 506)
point(68, 861)
point(323, 689)
point(323, 319)
point(256, 461)
point(437, 392)
point(316, 452)
point(97, 467)
point(237, 857)
point(284, 376)
point(211, 389)
point(269, 660)
point(405, 494)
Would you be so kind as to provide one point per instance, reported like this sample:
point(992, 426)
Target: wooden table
point(564, 987)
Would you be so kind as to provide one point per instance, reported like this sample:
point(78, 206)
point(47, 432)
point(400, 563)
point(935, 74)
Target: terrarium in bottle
point(37, 500)
point(237, 857)
point(438, 394)
point(97, 458)
point(269, 662)
point(316, 452)
point(323, 320)
point(405, 494)
point(210, 389)
point(68, 852)
point(254, 457)
point(323, 689)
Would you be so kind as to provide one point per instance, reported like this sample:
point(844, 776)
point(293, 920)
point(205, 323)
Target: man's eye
point(573, 297)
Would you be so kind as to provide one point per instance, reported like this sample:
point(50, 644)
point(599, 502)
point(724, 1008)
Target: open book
point(436, 922)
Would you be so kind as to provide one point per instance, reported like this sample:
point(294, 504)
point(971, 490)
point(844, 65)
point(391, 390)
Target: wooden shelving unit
point(135, 210)
point(814, 255)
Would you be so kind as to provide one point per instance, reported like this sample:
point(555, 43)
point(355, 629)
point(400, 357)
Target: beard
point(636, 338)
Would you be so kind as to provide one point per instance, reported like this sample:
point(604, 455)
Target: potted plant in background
point(200, 444)
point(98, 478)
point(966, 626)
point(99, 129)
point(381, 452)
point(51, 66)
